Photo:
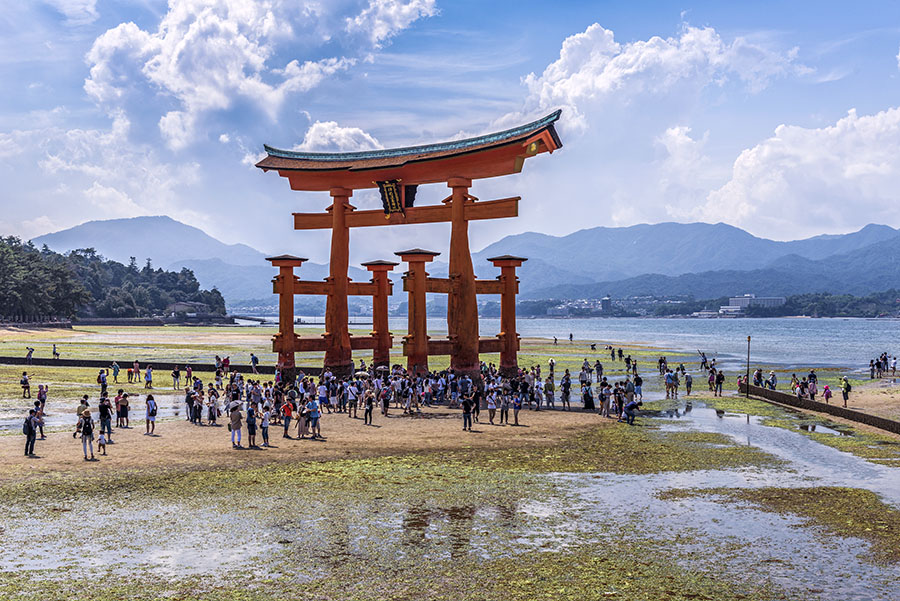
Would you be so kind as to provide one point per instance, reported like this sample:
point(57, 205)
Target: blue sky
point(781, 118)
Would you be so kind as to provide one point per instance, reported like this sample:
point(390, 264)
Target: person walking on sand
point(251, 426)
point(85, 427)
point(235, 425)
point(26, 385)
point(517, 406)
point(39, 418)
point(314, 409)
point(492, 406)
point(264, 424)
point(105, 408)
point(123, 406)
point(826, 394)
point(151, 415)
point(29, 355)
point(845, 389)
point(101, 443)
point(254, 363)
point(467, 412)
point(287, 412)
point(565, 386)
point(369, 406)
point(29, 429)
point(115, 371)
point(148, 377)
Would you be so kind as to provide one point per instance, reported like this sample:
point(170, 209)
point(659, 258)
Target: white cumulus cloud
point(209, 55)
point(593, 67)
point(382, 19)
point(329, 136)
point(803, 181)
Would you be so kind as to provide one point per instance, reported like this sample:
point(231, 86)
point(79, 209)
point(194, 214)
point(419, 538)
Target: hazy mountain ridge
point(873, 268)
point(705, 260)
point(164, 240)
point(609, 254)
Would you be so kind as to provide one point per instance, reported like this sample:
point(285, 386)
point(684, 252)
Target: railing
point(783, 398)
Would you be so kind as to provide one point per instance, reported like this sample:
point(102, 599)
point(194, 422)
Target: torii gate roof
point(491, 155)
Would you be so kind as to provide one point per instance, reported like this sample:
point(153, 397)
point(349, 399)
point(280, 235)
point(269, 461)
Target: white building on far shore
point(738, 304)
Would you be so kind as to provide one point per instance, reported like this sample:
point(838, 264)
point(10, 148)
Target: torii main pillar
point(337, 329)
point(462, 304)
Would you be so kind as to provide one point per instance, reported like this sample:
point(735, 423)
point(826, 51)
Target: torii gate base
point(417, 344)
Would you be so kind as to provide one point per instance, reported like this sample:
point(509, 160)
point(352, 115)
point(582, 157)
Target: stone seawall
point(784, 398)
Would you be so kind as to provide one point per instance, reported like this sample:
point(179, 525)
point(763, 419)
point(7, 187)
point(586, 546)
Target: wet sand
point(179, 445)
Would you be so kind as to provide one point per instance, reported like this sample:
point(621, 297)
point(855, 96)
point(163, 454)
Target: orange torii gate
point(455, 163)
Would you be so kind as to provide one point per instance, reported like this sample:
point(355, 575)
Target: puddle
point(823, 429)
point(61, 414)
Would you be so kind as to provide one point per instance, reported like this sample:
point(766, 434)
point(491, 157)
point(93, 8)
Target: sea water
point(805, 342)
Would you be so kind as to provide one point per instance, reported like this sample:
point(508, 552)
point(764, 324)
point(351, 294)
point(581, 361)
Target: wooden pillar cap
point(286, 261)
point(417, 255)
point(507, 261)
point(379, 265)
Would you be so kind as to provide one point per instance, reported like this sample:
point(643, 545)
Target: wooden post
point(509, 363)
point(337, 331)
point(380, 328)
point(462, 304)
point(416, 340)
point(283, 285)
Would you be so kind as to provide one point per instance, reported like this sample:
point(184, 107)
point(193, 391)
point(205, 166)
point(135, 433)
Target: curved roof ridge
point(413, 150)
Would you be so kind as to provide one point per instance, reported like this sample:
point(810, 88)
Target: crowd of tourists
point(249, 407)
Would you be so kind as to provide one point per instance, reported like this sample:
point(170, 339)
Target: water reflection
point(426, 530)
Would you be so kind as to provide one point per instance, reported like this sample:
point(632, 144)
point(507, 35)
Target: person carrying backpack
point(845, 389)
point(151, 415)
point(85, 427)
point(30, 432)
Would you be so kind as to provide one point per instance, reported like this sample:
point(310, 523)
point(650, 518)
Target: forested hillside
point(39, 282)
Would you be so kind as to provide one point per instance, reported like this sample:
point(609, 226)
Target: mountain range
point(664, 259)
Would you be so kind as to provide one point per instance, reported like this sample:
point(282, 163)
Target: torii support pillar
point(380, 329)
point(509, 337)
point(462, 304)
point(416, 340)
point(337, 330)
point(283, 284)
